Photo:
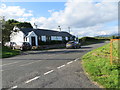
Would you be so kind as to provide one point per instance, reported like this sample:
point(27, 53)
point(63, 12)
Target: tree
point(24, 25)
point(8, 27)
point(6, 31)
point(11, 21)
point(20, 24)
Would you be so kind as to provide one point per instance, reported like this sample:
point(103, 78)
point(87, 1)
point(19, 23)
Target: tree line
point(7, 27)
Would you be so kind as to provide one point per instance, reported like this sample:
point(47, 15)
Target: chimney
point(59, 28)
point(35, 26)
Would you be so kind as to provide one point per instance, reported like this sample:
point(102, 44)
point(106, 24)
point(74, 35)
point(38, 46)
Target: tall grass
point(97, 64)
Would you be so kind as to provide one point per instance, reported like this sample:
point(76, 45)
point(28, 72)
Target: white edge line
point(14, 87)
point(60, 66)
point(32, 79)
point(48, 72)
point(70, 62)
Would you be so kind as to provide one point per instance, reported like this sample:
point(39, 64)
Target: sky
point(84, 17)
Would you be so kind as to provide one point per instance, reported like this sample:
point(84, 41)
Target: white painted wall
point(17, 37)
point(59, 38)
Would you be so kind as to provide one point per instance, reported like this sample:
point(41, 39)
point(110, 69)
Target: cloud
point(50, 11)
point(86, 18)
point(84, 14)
point(97, 30)
point(14, 12)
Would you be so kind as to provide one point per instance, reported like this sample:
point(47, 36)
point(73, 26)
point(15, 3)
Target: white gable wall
point(32, 34)
point(17, 37)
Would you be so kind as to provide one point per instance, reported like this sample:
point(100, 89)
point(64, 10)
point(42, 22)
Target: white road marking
point(32, 79)
point(1, 70)
point(48, 72)
point(70, 62)
point(10, 63)
point(14, 87)
point(51, 55)
point(76, 59)
point(60, 66)
point(30, 63)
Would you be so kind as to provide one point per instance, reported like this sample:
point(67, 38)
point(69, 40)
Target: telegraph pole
point(2, 26)
point(69, 29)
point(2, 22)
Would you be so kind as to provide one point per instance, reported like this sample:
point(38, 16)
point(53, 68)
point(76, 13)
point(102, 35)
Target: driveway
point(57, 68)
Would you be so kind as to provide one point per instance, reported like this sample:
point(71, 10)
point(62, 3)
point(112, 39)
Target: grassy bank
point(7, 52)
point(97, 64)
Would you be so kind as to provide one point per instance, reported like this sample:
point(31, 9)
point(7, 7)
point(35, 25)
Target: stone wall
point(55, 46)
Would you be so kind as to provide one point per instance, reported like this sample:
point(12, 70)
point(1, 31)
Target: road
point(57, 68)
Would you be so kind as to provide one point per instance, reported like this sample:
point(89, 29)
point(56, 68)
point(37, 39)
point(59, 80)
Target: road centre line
point(30, 63)
point(61, 66)
point(70, 62)
point(10, 63)
point(37, 77)
point(14, 87)
point(76, 59)
point(48, 72)
point(32, 79)
point(1, 70)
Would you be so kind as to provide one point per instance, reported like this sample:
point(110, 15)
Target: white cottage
point(35, 36)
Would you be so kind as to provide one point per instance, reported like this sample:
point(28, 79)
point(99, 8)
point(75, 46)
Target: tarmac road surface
point(57, 68)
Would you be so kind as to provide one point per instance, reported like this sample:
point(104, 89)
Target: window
point(39, 38)
point(66, 38)
point(43, 38)
point(59, 38)
point(26, 38)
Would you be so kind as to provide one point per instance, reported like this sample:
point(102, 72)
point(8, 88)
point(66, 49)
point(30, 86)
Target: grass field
point(90, 40)
point(7, 52)
point(97, 64)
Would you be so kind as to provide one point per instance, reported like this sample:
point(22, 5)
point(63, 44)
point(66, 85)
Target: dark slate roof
point(42, 32)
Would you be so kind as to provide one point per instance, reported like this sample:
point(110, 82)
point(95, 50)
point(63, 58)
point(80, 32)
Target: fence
point(114, 51)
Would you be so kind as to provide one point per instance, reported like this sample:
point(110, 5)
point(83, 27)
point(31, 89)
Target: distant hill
point(116, 34)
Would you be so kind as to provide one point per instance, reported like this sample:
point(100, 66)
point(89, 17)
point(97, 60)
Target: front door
point(33, 42)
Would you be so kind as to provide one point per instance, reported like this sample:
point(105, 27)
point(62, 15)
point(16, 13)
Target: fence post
point(111, 57)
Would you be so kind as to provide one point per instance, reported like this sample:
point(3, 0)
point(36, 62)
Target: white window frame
point(58, 38)
point(66, 38)
point(43, 38)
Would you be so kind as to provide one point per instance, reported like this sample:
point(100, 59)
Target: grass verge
point(97, 64)
point(7, 52)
